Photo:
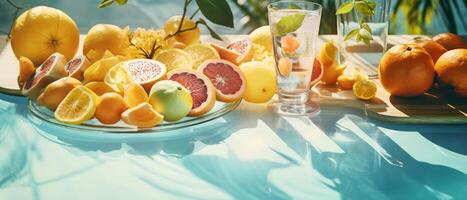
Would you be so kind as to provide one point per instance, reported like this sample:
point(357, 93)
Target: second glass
point(294, 26)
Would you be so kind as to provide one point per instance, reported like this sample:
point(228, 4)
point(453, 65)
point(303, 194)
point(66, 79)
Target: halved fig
point(76, 67)
point(51, 70)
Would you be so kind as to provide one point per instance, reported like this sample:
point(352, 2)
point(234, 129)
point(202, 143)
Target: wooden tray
point(430, 108)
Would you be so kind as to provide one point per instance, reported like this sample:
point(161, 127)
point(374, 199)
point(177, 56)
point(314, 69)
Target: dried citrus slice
point(200, 53)
point(364, 89)
point(175, 59)
point(134, 95)
point(118, 77)
point(77, 107)
point(143, 116)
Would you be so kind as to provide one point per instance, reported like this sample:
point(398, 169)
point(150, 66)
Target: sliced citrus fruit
point(98, 70)
point(110, 107)
point(100, 88)
point(26, 70)
point(317, 73)
point(56, 91)
point(143, 116)
point(135, 94)
point(345, 82)
point(201, 89)
point(118, 77)
point(200, 53)
point(327, 54)
point(145, 72)
point(76, 67)
point(244, 47)
point(226, 78)
point(289, 44)
point(364, 89)
point(77, 107)
point(175, 59)
point(51, 70)
point(226, 54)
point(284, 66)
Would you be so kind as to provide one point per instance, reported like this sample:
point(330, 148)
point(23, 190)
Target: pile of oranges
point(409, 70)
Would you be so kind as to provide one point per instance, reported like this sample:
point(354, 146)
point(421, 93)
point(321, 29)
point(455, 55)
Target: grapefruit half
point(201, 89)
point(226, 77)
point(145, 72)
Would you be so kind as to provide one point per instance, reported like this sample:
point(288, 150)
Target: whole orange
point(432, 47)
point(450, 41)
point(406, 70)
point(451, 70)
point(110, 107)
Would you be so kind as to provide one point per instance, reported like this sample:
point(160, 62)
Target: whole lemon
point(260, 81)
point(262, 36)
point(41, 31)
point(187, 37)
point(171, 99)
point(102, 37)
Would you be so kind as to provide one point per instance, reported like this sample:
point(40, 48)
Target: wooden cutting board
point(430, 108)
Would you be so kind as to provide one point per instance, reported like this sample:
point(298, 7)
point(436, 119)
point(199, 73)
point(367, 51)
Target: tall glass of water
point(357, 52)
point(294, 26)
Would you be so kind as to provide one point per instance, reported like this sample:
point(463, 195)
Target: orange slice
point(135, 94)
point(143, 116)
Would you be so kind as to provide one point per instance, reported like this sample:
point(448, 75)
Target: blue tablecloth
point(251, 153)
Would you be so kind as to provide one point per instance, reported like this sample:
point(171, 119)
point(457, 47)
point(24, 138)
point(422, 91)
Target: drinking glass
point(294, 27)
point(359, 53)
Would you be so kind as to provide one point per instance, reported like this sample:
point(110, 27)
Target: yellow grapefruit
point(41, 31)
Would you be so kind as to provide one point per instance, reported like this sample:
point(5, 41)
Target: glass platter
point(93, 130)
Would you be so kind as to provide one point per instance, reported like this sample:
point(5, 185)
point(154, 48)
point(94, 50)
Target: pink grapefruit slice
point(76, 67)
point(226, 54)
point(226, 77)
point(237, 52)
point(244, 48)
point(145, 72)
point(201, 89)
point(317, 73)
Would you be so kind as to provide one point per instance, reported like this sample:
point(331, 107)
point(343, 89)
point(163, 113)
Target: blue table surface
point(251, 153)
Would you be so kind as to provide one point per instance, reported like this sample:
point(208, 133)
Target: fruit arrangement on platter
point(121, 76)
